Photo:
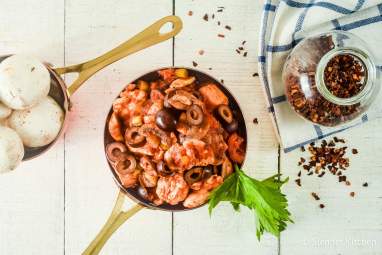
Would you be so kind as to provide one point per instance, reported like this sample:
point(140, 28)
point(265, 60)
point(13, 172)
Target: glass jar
point(331, 78)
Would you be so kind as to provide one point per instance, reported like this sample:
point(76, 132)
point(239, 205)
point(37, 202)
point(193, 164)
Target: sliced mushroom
point(193, 175)
point(134, 138)
point(126, 165)
point(179, 99)
point(115, 151)
point(195, 115)
point(182, 82)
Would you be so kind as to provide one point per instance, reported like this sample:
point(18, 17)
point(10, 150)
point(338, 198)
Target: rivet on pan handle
point(116, 219)
point(144, 39)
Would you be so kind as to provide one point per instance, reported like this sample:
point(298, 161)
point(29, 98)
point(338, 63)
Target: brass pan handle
point(116, 219)
point(148, 37)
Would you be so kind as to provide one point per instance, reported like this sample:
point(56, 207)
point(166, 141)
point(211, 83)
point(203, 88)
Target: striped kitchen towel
point(284, 24)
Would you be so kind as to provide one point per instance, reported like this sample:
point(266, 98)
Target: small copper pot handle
point(116, 219)
point(148, 37)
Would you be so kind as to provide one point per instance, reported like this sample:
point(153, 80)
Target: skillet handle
point(116, 219)
point(148, 37)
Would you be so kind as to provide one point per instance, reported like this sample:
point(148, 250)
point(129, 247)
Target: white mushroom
point(11, 149)
point(4, 111)
point(39, 125)
point(24, 81)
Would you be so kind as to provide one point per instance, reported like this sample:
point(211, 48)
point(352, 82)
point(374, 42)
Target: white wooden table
point(57, 203)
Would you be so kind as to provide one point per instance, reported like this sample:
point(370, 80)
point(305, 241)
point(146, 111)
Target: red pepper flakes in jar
point(330, 79)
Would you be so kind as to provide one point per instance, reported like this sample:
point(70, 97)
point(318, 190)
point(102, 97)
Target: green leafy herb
point(264, 198)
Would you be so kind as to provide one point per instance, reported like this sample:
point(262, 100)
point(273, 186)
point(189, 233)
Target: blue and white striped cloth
point(284, 24)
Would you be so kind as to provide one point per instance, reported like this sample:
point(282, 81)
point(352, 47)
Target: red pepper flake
point(221, 35)
point(322, 206)
point(222, 81)
point(348, 183)
point(213, 16)
point(255, 121)
point(342, 178)
point(209, 68)
point(365, 184)
point(219, 23)
point(299, 174)
point(298, 182)
point(310, 173)
point(243, 42)
point(228, 27)
point(315, 196)
point(205, 17)
point(302, 148)
point(354, 151)
point(201, 52)
point(194, 64)
point(352, 194)
point(255, 75)
point(190, 13)
point(321, 174)
point(241, 48)
point(245, 54)
point(238, 51)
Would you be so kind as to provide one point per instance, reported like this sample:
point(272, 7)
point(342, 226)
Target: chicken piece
point(168, 75)
point(192, 131)
point(199, 197)
point(236, 148)
point(212, 96)
point(129, 180)
point(172, 189)
point(192, 153)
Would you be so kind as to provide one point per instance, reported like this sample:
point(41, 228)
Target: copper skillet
point(61, 93)
point(118, 216)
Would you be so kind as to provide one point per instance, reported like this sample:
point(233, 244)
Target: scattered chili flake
point(322, 206)
point(255, 121)
point(194, 64)
point(243, 42)
point(241, 48)
point(299, 174)
point(220, 10)
point(209, 68)
point(205, 17)
point(298, 182)
point(201, 52)
point(321, 174)
point(354, 151)
point(365, 184)
point(245, 54)
point(342, 178)
point(352, 194)
point(348, 183)
point(32, 69)
point(222, 81)
point(302, 148)
point(302, 160)
point(221, 35)
point(219, 23)
point(255, 74)
point(310, 173)
point(238, 51)
point(316, 197)
point(213, 16)
point(228, 27)
point(190, 13)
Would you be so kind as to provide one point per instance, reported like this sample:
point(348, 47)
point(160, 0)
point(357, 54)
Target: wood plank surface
point(347, 225)
point(32, 197)
point(227, 232)
point(92, 29)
